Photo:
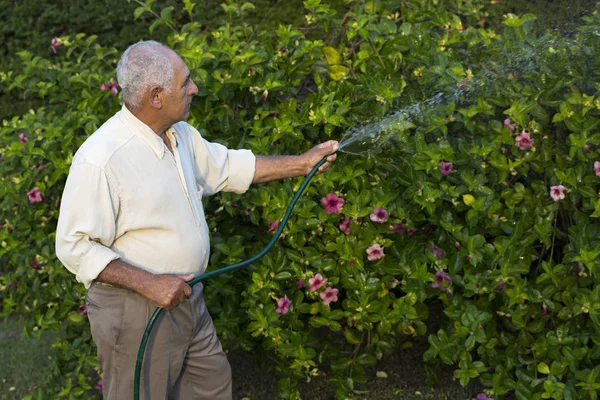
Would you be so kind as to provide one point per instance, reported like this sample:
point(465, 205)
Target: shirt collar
point(144, 131)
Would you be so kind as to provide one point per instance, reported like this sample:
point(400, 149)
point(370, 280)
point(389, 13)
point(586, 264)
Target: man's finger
point(187, 290)
point(330, 145)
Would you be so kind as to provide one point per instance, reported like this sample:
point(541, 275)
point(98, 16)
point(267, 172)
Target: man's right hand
point(167, 290)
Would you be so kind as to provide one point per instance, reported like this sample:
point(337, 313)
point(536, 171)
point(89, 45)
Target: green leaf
point(367, 360)
point(283, 275)
point(543, 368)
point(338, 72)
point(189, 7)
point(75, 318)
point(247, 6)
point(332, 57)
point(139, 11)
point(156, 24)
point(514, 21)
point(166, 14)
point(350, 337)
point(342, 364)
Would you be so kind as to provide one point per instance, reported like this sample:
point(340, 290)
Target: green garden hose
point(157, 312)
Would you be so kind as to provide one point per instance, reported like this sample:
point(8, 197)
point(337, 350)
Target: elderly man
point(132, 229)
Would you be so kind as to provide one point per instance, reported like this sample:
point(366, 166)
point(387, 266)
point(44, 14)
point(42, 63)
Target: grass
point(25, 360)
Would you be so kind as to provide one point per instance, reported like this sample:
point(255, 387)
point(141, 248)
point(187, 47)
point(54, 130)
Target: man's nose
point(193, 89)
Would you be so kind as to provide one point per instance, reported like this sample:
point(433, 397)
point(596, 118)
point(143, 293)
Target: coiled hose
point(208, 275)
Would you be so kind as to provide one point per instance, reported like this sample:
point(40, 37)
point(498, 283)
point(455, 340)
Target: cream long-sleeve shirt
point(127, 196)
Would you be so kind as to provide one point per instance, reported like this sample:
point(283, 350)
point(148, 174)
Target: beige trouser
point(183, 360)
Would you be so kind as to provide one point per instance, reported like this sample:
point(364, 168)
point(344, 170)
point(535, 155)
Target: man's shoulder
point(102, 145)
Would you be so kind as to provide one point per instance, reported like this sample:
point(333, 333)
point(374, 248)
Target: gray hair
point(142, 66)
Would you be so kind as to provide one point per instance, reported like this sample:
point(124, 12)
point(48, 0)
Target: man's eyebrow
point(187, 79)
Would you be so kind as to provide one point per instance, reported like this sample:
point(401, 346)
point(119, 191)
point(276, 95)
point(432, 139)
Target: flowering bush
point(455, 211)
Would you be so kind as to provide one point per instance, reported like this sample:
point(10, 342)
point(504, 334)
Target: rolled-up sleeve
point(219, 168)
point(87, 222)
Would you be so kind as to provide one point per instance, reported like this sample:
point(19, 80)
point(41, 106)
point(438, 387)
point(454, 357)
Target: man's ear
point(155, 99)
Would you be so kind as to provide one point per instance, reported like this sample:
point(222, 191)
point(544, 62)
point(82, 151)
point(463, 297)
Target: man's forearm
point(124, 275)
point(270, 168)
point(281, 167)
point(162, 290)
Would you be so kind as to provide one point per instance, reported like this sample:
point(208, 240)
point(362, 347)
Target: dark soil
point(406, 379)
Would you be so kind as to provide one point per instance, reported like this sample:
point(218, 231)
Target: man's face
point(177, 103)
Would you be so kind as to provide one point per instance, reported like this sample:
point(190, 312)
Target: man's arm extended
point(168, 290)
point(162, 290)
point(270, 168)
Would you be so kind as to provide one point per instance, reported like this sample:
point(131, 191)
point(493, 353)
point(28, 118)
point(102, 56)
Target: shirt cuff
point(94, 262)
point(242, 164)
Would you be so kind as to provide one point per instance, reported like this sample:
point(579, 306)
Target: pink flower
point(411, 231)
point(437, 252)
point(482, 396)
point(597, 168)
point(317, 282)
point(99, 385)
point(34, 195)
point(23, 138)
point(557, 192)
point(375, 252)
point(440, 277)
point(82, 310)
point(329, 295)
point(283, 305)
point(500, 287)
point(34, 264)
point(112, 86)
point(54, 43)
point(345, 226)
point(509, 125)
point(274, 226)
point(446, 168)
point(524, 141)
point(332, 203)
point(397, 228)
point(300, 283)
point(380, 215)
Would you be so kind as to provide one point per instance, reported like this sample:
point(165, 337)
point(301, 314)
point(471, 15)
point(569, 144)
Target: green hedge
point(31, 25)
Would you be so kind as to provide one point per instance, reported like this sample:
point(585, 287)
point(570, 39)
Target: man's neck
point(150, 118)
point(167, 141)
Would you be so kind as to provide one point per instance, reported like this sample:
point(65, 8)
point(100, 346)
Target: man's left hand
point(316, 154)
